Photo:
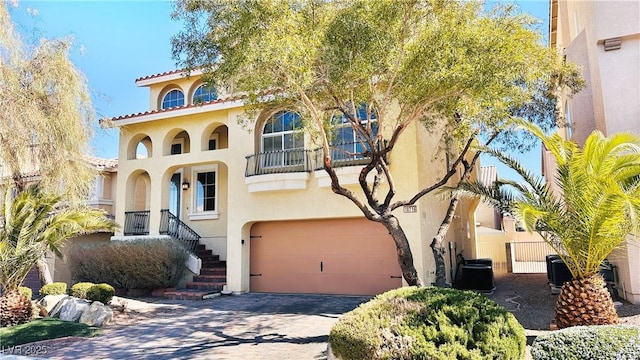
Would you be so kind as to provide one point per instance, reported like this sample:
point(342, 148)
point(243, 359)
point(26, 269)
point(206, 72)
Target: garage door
point(341, 256)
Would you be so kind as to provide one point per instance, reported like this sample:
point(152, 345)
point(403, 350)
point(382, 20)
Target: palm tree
point(32, 223)
point(597, 207)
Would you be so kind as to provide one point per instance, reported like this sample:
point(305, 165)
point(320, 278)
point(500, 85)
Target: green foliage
point(79, 290)
point(44, 329)
point(589, 342)
point(101, 292)
point(462, 73)
point(44, 99)
point(599, 203)
point(137, 264)
point(428, 323)
point(26, 292)
point(56, 288)
point(34, 222)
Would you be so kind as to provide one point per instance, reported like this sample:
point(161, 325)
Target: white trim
point(169, 77)
point(203, 215)
point(207, 215)
point(348, 175)
point(191, 110)
point(276, 182)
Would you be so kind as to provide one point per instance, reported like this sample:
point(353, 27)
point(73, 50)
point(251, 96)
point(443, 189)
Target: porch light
point(185, 184)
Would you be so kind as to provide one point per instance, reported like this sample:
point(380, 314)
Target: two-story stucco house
point(254, 193)
point(603, 37)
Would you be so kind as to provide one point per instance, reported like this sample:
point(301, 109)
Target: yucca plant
point(596, 207)
point(34, 222)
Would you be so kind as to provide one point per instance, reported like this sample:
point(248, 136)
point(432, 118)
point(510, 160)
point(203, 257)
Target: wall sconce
point(185, 184)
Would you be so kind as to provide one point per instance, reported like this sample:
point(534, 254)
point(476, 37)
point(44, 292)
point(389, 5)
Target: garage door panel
point(339, 256)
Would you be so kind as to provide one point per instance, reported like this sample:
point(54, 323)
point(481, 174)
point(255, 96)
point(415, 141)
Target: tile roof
point(160, 74)
point(96, 161)
point(187, 106)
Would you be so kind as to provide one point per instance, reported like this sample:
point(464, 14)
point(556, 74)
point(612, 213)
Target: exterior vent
point(612, 44)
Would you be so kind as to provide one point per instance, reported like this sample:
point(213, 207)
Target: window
point(567, 114)
point(282, 140)
point(347, 144)
point(172, 99)
point(204, 94)
point(205, 193)
point(213, 142)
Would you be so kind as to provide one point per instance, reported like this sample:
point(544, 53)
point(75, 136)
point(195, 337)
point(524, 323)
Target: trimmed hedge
point(101, 292)
point(428, 323)
point(136, 264)
point(56, 288)
point(618, 342)
point(79, 290)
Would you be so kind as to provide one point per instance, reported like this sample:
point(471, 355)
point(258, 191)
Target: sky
point(116, 42)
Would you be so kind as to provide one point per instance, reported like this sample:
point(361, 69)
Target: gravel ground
point(529, 298)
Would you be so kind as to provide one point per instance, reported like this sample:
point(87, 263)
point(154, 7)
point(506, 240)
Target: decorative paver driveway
point(247, 326)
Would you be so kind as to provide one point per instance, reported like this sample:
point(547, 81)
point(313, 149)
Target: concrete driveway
point(247, 326)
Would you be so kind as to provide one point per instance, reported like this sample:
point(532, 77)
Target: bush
point(27, 292)
point(101, 292)
point(79, 290)
point(56, 288)
point(589, 342)
point(137, 264)
point(428, 323)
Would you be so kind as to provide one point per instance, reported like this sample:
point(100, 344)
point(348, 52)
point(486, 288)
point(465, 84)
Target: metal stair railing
point(174, 227)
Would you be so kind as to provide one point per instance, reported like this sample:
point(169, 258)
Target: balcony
point(290, 169)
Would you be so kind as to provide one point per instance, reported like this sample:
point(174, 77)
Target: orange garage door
point(338, 256)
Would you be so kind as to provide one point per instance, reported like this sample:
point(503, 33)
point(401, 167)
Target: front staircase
point(207, 284)
point(213, 273)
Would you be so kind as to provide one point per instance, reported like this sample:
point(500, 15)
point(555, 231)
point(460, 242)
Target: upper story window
point(282, 135)
point(346, 142)
point(172, 99)
point(204, 94)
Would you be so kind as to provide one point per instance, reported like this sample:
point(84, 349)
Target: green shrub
point(27, 292)
point(101, 292)
point(589, 342)
point(137, 264)
point(56, 288)
point(79, 290)
point(428, 323)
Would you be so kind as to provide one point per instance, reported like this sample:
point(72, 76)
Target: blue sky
point(116, 42)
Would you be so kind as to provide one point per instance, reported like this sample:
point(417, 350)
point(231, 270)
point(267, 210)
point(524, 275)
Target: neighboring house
point(498, 238)
point(102, 197)
point(255, 194)
point(604, 38)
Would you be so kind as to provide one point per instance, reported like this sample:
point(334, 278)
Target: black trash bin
point(477, 277)
point(549, 259)
point(559, 273)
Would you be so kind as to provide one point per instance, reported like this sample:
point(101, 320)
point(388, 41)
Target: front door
point(174, 195)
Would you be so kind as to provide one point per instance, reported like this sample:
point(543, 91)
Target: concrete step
point(222, 278)
point(211, 286)
point(213, 271)
point(190, 294)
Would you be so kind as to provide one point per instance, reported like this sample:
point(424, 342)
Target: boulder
point(97, 314)
point(70, 309)
point(50, 301)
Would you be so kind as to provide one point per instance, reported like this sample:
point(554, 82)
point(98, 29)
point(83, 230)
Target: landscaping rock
point(97, 314)
point(70, 309)
point(50, 301)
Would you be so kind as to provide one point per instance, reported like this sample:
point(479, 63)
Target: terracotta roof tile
point(187, 106)
point(97, 161)
point(159, 75)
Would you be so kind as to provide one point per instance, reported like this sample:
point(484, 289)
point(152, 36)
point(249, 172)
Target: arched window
point(172, 99)
point(204, 94)
point(283, 140)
